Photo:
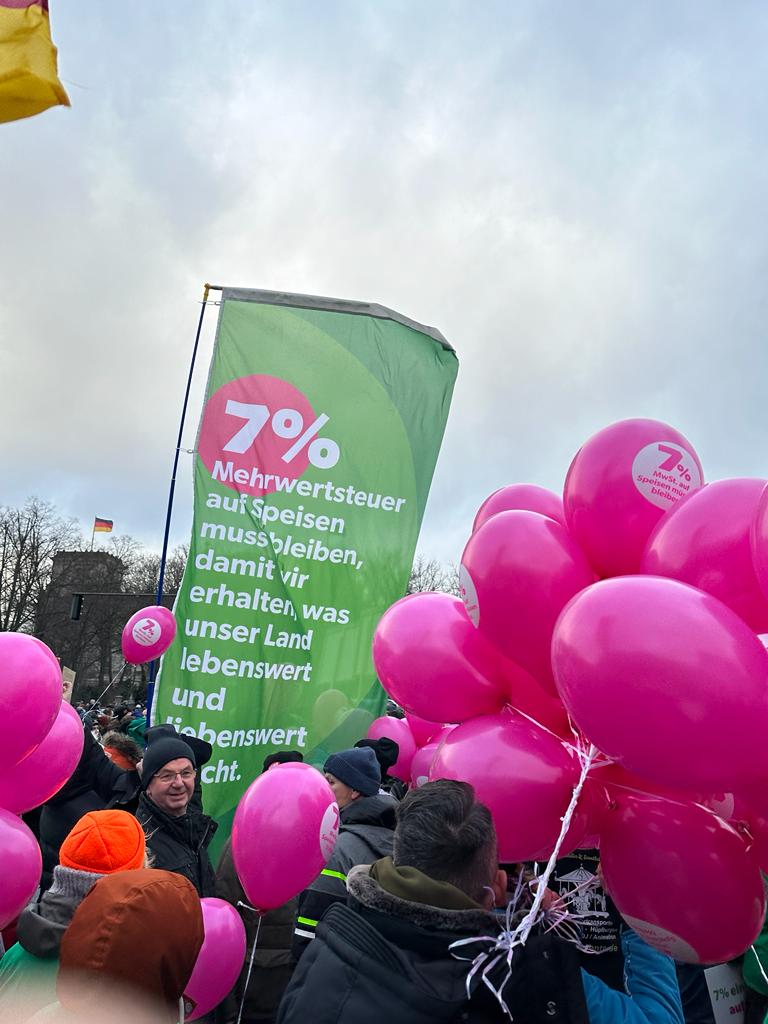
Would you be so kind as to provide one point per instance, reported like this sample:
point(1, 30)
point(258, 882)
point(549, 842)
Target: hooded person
point(129, 952)
point(178, 833)
point(101, 843)
point(273, 962)
point(367, 822)
point(406, 946)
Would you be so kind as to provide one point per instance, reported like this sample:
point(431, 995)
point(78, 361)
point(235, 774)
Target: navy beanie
point(357, 768)
point(159, 752)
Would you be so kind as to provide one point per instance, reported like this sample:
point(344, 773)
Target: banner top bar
point(331, 306)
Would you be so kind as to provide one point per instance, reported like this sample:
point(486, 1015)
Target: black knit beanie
point(159, 752)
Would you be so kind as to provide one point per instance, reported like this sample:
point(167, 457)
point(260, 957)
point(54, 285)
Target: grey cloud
point(573, 193)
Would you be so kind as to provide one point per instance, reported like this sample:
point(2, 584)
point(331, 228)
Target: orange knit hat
point(104, 842)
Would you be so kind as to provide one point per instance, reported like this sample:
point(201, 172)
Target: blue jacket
point(649, 978)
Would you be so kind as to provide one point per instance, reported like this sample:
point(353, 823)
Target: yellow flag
point(29, 81)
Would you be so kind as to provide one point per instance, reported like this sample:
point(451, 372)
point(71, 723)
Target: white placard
point(726, 990)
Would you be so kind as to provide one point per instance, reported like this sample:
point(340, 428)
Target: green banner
point(318, 440)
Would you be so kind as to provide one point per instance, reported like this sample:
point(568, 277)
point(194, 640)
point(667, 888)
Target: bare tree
point(427, 574)
point(143, 571)
point(29, 538)
point(126, 548)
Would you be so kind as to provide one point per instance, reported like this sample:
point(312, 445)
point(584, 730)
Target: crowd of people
point(405, 924)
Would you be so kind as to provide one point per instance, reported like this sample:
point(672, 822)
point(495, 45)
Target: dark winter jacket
point(366, 834)
point(96, 783)
point(28, 970)
point(273, 963)
point(180, 844)
point(383, 958)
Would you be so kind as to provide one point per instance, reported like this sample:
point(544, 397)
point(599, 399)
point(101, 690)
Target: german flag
point(102, 525)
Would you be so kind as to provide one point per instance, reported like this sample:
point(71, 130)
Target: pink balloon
point(48, 653)
point(432, 661)
point(705, 541)
point(396, 729)
point(759, 541)
point(620, 483)
point(422, 730)
point(523, 774)
point(747, 812)
point(148, 634)
point(439, 737)
point(659, 855)
point(528, 497)
point(667, 681)
point(284, 831)
point(525, 695)
point(43, 772)
point(30, 695)
point(421, 764)
point(22, 866)
point(220, 959)
point(517, 574)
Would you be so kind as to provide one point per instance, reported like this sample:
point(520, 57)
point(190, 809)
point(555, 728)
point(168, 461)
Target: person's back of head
point(131, 947)
point(447, 834)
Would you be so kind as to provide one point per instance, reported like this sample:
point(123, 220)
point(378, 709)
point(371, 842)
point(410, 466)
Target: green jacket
point(27, 983)
point(29, 968)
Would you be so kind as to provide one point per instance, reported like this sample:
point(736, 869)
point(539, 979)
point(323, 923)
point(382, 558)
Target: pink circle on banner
point(238, 435)
point(664, 473)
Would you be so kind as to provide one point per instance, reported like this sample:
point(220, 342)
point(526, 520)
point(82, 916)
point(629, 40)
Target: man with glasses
point(177, 833)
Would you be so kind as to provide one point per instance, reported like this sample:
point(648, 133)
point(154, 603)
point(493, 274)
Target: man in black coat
point(366, 834)
point(385, 956)
point(178, 835)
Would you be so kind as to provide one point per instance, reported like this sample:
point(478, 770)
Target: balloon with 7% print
point(285, 423)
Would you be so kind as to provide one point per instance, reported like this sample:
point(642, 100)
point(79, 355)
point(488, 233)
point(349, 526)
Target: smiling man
point(177, 833)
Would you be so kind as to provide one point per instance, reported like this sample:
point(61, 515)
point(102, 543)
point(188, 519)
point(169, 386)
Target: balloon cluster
point(622, 619)
point(41, 739)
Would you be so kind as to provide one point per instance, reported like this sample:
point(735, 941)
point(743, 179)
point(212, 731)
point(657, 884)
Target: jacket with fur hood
point(384, 956)
point(366, 834)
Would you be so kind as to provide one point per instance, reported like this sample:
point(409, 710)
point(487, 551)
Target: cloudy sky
point(574, 193)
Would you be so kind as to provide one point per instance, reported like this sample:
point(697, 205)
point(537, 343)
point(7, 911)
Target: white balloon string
point(503, 945)
point(123, 667)
point(250, 962)
point(759, 964)
point(587, 759)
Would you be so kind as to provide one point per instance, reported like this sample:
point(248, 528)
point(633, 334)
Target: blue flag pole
point(164, 556)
